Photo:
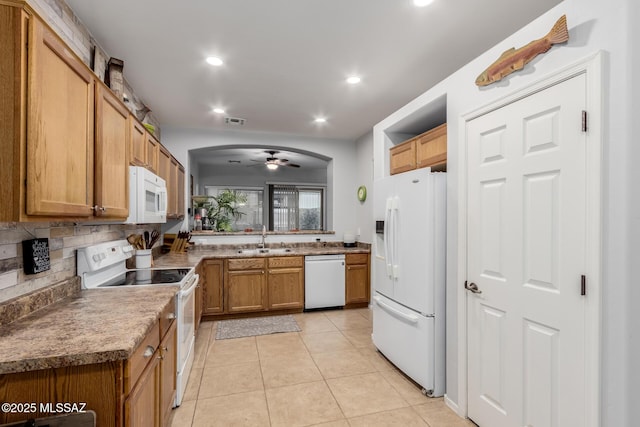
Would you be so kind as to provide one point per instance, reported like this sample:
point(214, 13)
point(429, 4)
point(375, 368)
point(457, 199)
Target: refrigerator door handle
point(394, 233)
point(411, 318)
point(387, 239)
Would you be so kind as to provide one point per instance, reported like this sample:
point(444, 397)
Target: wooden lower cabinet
point(285, 283)
point(212, 279)
point(168, 367)
point(99, 385)
point(357, 279)
point(153, 392)
point(245, 291)
point(141, 409)
point(252, 285)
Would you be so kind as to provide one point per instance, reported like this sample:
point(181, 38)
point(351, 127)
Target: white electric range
point(103, 266)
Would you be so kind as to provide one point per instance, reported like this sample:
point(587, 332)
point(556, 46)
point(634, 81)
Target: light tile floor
point(329, 374)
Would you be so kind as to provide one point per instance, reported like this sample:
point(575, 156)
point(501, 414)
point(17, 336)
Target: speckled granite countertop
point(192, 257)
point(93, 326)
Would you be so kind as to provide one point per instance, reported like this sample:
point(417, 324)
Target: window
point(296, 208)
point(251, 210)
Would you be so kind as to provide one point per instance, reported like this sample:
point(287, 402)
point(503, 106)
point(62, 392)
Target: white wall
point(341, 173)
point(593, 25)
point(257, 176)
point(364, 210)
point(633, 248)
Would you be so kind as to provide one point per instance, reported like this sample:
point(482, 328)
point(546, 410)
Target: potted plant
point(224, 209)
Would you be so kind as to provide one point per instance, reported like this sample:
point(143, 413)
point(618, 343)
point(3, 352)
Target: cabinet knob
point(171, 316)
point(103, 209)
point(95, 208)
point(149, 352)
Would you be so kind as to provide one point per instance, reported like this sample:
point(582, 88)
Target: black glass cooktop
point(151, 277)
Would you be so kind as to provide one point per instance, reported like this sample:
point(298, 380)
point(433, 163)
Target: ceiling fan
point(273, 162)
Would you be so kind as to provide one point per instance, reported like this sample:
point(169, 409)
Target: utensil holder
point(143, 258)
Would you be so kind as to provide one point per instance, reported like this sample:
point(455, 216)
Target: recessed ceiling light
point(218, 111)
point(320, 120)
point(422, 3)
point(214, 60)
point(352, 80)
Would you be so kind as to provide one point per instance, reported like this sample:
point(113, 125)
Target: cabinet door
point(212, 286)
point(286, 288)
point(153, 152)
point(172, 190)
point(164, 165)
point(180, 209)
point(168, 371)
point(245, 291)
point(431, 147)
point(111, 167)
point(357, 283)
point(141, 407)
point(59, 129)
point(137, 143)
point(402, 157)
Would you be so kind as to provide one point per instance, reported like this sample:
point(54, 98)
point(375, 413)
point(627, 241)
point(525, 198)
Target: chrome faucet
point(262, 244)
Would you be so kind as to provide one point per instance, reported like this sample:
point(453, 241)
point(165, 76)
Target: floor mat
point(238, 328)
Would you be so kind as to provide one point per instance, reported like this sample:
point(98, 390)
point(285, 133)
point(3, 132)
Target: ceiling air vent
point(234, 121)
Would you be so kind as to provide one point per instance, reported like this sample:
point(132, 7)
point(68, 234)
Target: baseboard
point(453, 406)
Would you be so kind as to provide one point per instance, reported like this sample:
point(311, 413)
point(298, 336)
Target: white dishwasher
point(323, 281)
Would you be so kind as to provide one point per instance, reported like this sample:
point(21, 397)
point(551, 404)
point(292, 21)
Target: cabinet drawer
point(246, 263)
point(167, 317)
point(357, 258)
point(286, 261)
point(141, 357)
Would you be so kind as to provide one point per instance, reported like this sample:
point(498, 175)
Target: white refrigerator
point(409, 275)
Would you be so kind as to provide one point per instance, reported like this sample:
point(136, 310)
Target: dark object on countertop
point(350, 245)
point(35, 254)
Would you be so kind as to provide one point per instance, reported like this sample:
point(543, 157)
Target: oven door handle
point(194, 284)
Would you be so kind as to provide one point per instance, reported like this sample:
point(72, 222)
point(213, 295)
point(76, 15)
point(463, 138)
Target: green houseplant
point(224, 209)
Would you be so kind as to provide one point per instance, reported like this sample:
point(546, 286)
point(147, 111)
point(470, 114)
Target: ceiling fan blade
point(293, 165)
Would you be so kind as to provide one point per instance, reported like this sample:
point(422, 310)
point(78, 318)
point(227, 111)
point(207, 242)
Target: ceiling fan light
point(272, 166)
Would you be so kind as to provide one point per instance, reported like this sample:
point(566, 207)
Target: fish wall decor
point(515, 59)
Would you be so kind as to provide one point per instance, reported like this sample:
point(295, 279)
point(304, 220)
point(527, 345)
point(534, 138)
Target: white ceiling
point(286, 60)
point(249, 157)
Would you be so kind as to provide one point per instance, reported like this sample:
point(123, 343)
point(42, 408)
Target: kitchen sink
point(259, 251)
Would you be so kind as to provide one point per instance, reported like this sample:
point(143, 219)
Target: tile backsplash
point(64, 240)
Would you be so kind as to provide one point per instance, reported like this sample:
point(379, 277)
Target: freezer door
point(406, 339)
point(418, 264)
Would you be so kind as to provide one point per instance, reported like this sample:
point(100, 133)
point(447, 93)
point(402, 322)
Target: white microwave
point(147, 197)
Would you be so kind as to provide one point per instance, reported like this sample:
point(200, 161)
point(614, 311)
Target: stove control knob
point(96, 258)
point(103, 256)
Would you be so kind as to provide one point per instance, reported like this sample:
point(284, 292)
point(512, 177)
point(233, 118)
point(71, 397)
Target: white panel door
point(526, 255)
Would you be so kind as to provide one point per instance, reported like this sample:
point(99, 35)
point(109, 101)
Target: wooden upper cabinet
point(152, 152)
point(425, 150)
point(172, 190)
point(111, 145)
point(402, 157)
point(60, 128)
point(137, 143)
point(164, 164)
point(431, 148)
point(181, 183)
